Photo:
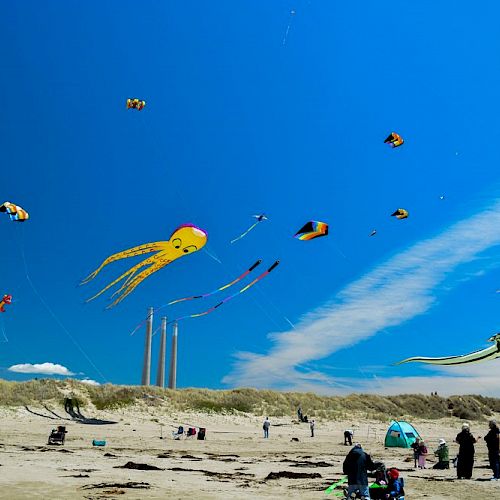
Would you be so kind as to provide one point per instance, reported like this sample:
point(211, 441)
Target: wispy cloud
point(393, 292)
point(41, 368)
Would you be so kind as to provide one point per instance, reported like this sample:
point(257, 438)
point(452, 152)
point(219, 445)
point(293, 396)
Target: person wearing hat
point(492, 440)
point(466, 452)
point(443, 456)
point(356, 466)
point(394, 485)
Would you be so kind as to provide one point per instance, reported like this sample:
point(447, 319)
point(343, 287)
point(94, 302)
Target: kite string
point(54, 316)
point(2, 326)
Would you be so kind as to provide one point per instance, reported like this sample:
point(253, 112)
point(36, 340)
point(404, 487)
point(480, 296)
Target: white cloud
point(89, 381)
point(395, 291)
point(41, 368)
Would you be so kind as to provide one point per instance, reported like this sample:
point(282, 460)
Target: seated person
point(395, 488)
point(443, 456)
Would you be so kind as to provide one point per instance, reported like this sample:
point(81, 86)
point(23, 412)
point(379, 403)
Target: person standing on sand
point(415, 447)
point(465, 453)
point(300, 416)
point(356, 465)
point(266, 426)
point(493, 443)
point(422, 455)
point(312, 425)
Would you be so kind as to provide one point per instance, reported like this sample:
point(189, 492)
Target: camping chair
point(191, 432)
point(179, 433)
point(58, 436)
point(201, 433)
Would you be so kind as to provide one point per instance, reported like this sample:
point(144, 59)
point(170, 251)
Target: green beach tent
point(401, 434)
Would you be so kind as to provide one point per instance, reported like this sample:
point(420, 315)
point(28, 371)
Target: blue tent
point(401, 434)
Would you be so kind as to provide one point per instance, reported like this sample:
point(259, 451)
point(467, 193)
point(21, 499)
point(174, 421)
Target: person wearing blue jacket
point(394, 485)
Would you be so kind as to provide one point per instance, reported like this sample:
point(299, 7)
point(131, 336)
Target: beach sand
point(233, 462)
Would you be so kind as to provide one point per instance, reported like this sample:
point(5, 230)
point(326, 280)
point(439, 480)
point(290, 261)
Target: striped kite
point(135, 104)
point(184, 240)
point(491, 352)
point(236, 280)
point(394, 140)
point(16, 213)
point(260, 218)
point(6, 300)
point(312, 229)
point(205, 295)
point(227, 299)
point(400, 213)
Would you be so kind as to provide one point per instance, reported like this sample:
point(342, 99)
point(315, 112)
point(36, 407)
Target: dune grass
point(250, 401)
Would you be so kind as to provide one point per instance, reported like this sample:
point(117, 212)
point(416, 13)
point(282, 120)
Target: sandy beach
point(233, 462)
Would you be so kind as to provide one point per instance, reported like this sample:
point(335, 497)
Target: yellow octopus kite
point(185, 239)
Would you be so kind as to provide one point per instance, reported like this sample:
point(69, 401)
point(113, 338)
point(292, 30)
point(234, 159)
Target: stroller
point(58, 436)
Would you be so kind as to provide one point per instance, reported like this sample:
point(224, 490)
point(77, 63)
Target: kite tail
point(245, 233)
point(227, 299)
point(239, 278)
point(131, 252)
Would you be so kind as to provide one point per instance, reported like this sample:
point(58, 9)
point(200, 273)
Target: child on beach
point(415, 447)
point(422, 454)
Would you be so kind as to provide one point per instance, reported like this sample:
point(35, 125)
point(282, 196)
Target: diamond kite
point(260, 218)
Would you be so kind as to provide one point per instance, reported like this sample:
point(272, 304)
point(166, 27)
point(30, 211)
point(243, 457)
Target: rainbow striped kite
point(312, 229)
point(239, 278)
point(227, 299)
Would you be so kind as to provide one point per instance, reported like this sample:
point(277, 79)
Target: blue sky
point(236, 123)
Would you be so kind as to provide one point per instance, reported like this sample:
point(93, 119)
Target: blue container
point(95, 442)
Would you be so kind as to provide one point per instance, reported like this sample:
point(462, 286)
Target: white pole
point(146, 368)
point(160, 375)
point(172, 380)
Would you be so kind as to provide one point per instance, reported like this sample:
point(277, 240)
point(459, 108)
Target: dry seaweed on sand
point(133, 465)
point(292, 475)
point(129, 484)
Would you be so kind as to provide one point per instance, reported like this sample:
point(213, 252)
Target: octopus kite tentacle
point(186, 239)
point(131, 252)
point(127, 274)
point(157, 262)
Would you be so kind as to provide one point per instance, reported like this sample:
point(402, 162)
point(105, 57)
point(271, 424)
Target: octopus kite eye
point(177, 242)
point(190, 248)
